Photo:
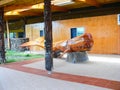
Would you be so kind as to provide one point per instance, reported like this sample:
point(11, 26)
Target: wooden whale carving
point(76, 44)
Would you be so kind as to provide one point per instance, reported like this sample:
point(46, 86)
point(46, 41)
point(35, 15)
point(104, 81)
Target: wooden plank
point(28, 1)
point(90, 2)
point(29, 13)
point(8, 36)
point(5, 2)
point(58, 8)
point(15, 7)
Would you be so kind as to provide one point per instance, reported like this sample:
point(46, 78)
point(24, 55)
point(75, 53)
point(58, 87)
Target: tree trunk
point(48, 35)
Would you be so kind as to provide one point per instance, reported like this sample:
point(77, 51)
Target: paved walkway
point(101, 72)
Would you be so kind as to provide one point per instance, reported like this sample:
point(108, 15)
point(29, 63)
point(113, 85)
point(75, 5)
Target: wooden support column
point(2, 46)
point(8, 34)
point(25, 22)
point(48, 35)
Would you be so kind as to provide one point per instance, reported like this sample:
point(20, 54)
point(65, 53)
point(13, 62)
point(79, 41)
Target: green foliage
point(15, 56)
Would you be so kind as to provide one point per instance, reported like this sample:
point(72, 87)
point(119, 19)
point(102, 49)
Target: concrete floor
point(101, 72)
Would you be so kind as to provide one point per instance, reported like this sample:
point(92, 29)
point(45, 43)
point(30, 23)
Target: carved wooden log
point(77, 44)
point(2, 47)
point(77, 57)
point(48, 35)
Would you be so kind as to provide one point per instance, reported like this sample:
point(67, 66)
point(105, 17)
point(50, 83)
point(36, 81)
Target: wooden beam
point(24, 23)
point(8, 36)
point(90, 2)
point(15, 7)
point(11, 17)
point(29, 13)
point(5, 2)
point(107, 9)
point(58, 8)
point(88, 12)
point(48, 36)
point(28, 1)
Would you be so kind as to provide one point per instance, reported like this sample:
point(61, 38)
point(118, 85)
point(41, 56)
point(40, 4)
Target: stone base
point(77, 57)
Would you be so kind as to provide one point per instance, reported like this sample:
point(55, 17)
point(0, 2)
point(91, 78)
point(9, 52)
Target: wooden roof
point(14, 9)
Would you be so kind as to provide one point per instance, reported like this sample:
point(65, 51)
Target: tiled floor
point(99, 73)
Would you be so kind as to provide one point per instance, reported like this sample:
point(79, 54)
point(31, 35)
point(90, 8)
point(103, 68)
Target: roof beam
point(90, 2)
point(5, 2)
point(11, 8)
point(58, 8)
point(28, 1)
point(11, 17)
point(29, 13)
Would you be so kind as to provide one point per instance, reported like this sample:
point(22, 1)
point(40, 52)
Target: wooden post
point(48, 35)
point(25, 22)
point(8, 35)
point(2, 46)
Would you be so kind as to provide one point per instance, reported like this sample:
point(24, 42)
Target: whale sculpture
point(76, 44)
point(80, 43)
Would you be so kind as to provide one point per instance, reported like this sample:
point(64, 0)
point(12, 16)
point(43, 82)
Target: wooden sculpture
point(37, 42)
point(77, 44)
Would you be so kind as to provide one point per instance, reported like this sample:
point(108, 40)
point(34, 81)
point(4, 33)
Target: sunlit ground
point(100, 66)
point(104, 58)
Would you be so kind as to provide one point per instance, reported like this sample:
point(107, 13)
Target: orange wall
point(105, 31)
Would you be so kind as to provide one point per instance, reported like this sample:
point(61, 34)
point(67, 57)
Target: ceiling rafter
point(14, 7)
point(25, 8)
point(90, 2)
point(30, 7)
point(6, 2)
point(11, 17)
point(29, 13)
point(28, 1)
point(58, 8)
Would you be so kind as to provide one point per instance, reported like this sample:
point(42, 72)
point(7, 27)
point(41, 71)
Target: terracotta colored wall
point(105, 31)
